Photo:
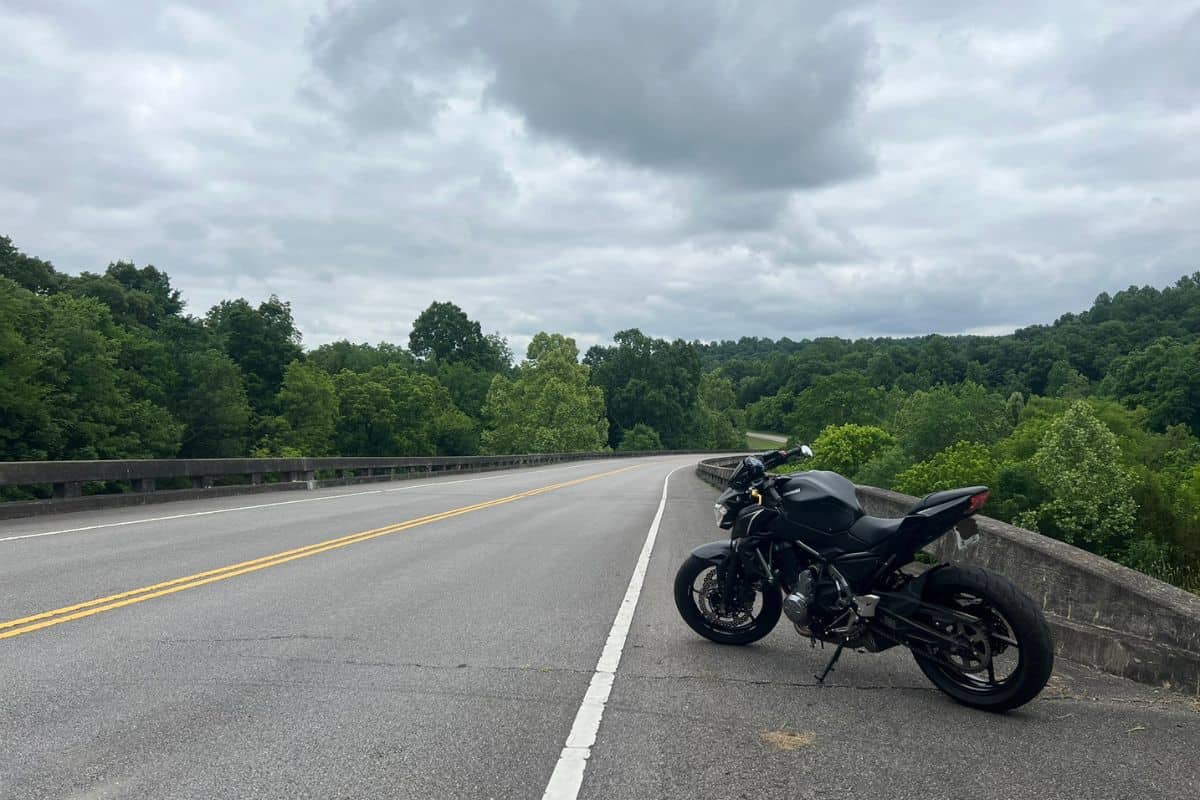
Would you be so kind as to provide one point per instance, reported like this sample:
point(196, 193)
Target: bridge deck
point(448, 658)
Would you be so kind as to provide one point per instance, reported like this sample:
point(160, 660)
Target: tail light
point(977, 501)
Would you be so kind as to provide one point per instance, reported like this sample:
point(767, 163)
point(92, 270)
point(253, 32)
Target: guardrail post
point(68, 489)
point(203, 481)
point(143, 484)
point(310, 478)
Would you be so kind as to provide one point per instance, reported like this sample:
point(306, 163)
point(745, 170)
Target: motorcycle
point(800, 545)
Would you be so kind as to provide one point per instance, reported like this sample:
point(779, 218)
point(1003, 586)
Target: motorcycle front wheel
point(1012, 653)
point(698, 596)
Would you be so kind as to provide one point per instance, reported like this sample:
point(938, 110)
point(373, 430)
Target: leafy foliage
point(960, 464)
point(1091, 492)
point(444, 332)
point(651, 381)
point(640, 437)
point(390, 410)
point(929, 421)
point(848, 448)
point(838, 399)
point(212, 404)
point(1164, 378)
point(548, 407)
point(261, 341)
point(308, 404)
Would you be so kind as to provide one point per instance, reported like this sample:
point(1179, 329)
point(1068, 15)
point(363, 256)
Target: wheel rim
point(995, 658)
point(706, 595)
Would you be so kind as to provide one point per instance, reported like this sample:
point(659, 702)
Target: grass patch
point(755, 443)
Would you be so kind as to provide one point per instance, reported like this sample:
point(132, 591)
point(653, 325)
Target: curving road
point(438, 639)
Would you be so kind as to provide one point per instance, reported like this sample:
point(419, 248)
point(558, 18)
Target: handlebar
point(777, 457)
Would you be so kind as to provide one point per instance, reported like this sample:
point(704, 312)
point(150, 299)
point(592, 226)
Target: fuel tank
point(816, 500)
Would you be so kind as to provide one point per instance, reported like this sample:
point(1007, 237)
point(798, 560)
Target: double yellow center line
point(46, 619)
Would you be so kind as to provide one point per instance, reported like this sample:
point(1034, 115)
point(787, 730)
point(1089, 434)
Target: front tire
point(1013, 624)
point(695, 584)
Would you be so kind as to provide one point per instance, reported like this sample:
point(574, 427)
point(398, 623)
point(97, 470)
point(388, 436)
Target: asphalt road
point(448, 657)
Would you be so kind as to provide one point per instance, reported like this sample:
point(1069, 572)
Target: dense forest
point(1085, 429)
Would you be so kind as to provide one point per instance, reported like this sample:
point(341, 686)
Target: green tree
point(846, 449)
point(651, 381)
point(882, 470)
point(444, 332)
point(930, 421)
point(261, 341)
point(838, 399)
point(961, 464)
point(1091, 492)
point(1063, 380)
point(549, 406)
point(719, 420)
point(92, 411)
point(134, 296)
point(468, 385)
point(211, 402)
point(24, 397)
point(390, 411)
point(367, 419)
point(342, 354)
point(640, 437)
point(1165, 378)
point(1013, 408)
point(27, 272)
point(715, 431)
point(308, 401)
point(716, 392)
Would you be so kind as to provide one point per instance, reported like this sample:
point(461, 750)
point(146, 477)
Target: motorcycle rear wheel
point(1012, 621)
point(694, 587)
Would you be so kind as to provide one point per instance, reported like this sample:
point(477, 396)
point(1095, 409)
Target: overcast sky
point(696, 169)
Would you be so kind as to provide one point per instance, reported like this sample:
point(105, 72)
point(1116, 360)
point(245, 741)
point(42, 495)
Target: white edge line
point(568, 772)
point(419, 483)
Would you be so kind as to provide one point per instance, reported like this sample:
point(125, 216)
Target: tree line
point(109, 365)
point(1084, 428)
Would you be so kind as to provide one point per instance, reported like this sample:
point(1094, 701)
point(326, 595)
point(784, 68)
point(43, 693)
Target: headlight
point(720, 511)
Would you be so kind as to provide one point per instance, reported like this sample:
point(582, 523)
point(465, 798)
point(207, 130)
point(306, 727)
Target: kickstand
point(829, 666)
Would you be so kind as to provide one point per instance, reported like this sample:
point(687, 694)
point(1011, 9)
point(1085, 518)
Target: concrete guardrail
point(217, 477)
point(1102, 614)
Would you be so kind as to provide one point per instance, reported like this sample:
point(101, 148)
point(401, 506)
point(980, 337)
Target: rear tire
point(686, 601)
point(1008, 606)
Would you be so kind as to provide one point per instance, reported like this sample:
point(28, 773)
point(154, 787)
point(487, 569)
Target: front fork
point(746, 563)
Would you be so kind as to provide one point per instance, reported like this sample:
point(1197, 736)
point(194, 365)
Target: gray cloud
point(696, 169)
point(759, 95)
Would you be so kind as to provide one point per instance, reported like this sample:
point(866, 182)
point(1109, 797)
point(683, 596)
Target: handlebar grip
point(774, 458)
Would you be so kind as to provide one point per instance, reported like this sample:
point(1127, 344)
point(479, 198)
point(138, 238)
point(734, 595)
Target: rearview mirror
point(806, 451)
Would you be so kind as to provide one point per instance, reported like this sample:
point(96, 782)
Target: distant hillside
point(1113, 340)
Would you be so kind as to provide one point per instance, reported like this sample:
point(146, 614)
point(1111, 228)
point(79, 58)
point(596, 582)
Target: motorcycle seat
point(874, 530)
point(937, 498)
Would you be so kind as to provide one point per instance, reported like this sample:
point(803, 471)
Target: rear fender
point(713, 552)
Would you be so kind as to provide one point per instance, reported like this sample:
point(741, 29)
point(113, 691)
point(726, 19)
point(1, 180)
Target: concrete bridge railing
point(1102, 614)
point(216, 477)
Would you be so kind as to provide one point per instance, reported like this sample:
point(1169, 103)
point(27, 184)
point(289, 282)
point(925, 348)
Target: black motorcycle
point(801, 545)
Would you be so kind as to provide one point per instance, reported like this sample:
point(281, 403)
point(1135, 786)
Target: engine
point(811, 602)
point(796, 604)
